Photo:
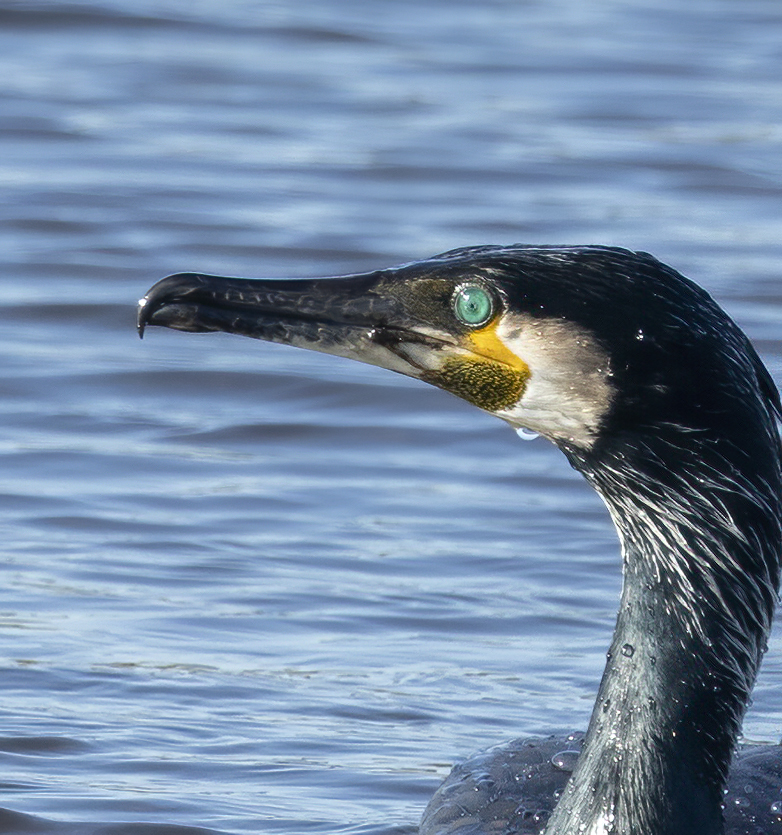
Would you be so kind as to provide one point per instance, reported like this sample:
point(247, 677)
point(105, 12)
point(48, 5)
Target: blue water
point(260, 591)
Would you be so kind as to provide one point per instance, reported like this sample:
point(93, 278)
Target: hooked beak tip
point(141, 319)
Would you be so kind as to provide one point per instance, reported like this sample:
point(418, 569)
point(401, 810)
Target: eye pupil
point(472, 305)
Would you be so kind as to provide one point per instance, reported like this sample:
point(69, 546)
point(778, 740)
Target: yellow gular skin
point(490, 376)
point(486, 343)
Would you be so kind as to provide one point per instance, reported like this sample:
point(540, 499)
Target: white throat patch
point(569, 389)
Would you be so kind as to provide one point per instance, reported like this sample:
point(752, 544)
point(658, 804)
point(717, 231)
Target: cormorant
point(659, 400)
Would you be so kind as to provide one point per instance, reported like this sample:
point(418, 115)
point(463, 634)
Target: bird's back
point(512, 789)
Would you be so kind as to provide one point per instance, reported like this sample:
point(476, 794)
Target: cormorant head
point(580, 344)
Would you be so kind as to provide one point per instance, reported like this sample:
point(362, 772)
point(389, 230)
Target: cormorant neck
point(700, 544)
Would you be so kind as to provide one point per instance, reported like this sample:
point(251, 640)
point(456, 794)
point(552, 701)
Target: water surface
point(254, 590)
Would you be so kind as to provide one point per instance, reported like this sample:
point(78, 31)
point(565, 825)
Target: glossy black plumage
point(513, 788)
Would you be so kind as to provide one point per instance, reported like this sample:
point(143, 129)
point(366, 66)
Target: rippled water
point(255, 590)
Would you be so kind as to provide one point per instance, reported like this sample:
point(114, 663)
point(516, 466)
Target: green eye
point(472, 304)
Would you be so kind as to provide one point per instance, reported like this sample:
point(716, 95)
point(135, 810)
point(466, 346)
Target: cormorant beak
point(402, 319)
point(351, 316)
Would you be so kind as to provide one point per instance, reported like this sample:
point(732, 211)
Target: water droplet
point(565, 760)
point(628, 650)
point(527, 434)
